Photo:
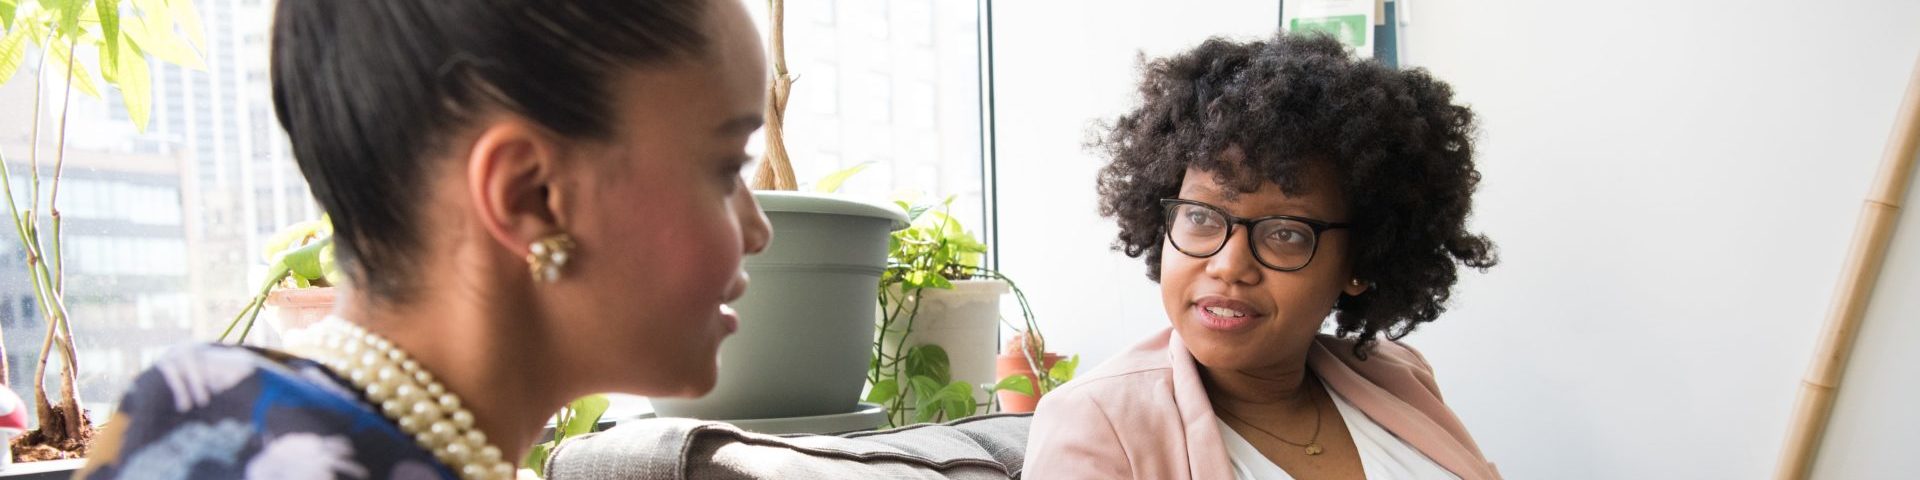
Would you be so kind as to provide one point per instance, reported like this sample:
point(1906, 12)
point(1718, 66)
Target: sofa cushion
point(984, 447)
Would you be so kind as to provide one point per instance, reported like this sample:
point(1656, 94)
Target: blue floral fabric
point(220, 411)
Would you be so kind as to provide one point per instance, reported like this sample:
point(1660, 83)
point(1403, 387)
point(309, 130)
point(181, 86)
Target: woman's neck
point(484, 352)
point(1272, 389)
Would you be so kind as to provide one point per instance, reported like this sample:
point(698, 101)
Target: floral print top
point(221, 411)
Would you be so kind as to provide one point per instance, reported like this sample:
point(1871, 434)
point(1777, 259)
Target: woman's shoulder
point(1391, 364)
point(222, 411)
point(217, 376)
point(1383, 351)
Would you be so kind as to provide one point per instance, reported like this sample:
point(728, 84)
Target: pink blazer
point(1144, 414)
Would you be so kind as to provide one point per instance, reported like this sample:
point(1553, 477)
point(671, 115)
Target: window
point(164, 228)
point(895, 83)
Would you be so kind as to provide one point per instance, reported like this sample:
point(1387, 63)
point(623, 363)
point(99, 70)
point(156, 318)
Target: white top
point(1382, 455)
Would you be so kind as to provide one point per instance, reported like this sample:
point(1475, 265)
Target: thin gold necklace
point(1313, 443)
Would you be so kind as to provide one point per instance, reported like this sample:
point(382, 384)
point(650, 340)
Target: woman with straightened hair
point(533, 200)
point(1273, 187)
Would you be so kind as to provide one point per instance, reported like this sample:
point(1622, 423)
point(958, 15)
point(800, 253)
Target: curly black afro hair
point(1401, 149)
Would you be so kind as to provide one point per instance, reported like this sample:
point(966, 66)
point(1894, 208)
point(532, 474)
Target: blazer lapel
point(1206, 449)
point(1395, 415)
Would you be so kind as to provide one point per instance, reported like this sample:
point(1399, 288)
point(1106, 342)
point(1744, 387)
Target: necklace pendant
point(1314, 449)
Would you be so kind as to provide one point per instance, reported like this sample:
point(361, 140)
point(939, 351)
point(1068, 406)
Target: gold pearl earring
point(1356, 282)
point(548, 255)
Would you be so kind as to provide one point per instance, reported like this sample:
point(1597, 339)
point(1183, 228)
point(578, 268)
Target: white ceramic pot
point(964, 321)
point(806, 322)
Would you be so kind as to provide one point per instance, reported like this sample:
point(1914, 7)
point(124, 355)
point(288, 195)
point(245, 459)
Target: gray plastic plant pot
point(806, 322)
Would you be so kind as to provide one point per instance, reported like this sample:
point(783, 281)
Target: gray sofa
point(984, 447)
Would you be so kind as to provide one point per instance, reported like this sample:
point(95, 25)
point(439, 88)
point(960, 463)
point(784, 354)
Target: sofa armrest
point(984, 447)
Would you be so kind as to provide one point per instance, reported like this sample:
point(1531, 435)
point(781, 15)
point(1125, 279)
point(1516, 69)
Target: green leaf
point(153, 33)
point(7, 7)
point(1062, 371)
point(108, 12)
point(586, 413)
point(69, 18)
point(289, 234)
point(189, 20)
point(831, 183)
point(276, 271)
point(929, 361)
point(926, 398)
point(136, 87)
point(914, 212)
point(1020, 383)
point(13, 51)
point(305, 261)
point(884, 391)
point(956, 400)
point(82, 78)
point(537, 459)
point(330, 269)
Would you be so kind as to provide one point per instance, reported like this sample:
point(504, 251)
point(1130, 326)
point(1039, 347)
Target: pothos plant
point(298, 256)
point(119, 35)
point(915, 383)
point(577, 418)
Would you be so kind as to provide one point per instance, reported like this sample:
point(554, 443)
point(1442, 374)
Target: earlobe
point(1355, 287)
point(511, 170)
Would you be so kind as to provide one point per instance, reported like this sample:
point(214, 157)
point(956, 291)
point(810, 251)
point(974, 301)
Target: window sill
point(43, 470)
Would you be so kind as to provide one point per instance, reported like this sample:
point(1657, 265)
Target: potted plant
point(1028, 371)
point(300, 281)
point(806, 321)
point(120, 34)
point(933, 355)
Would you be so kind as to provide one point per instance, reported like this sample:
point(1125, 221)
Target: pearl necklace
point(407, 394)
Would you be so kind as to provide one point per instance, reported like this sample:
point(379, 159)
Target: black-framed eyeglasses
point(1280, 242)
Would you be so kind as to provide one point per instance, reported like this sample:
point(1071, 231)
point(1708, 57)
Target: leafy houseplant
point(915, 381)
point(300, 256)
point(577, 418)
point(120, 34)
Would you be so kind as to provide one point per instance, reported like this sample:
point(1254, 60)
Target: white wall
point(1672, 187)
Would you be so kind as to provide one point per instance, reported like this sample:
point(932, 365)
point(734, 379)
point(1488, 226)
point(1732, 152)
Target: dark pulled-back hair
point(369, 90)
point(1401, 150)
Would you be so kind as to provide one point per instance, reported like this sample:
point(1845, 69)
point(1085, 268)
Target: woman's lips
point(729, 318)
point(1224, 314)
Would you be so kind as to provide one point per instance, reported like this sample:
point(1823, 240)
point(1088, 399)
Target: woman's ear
point(512, 174)
point(1356, 286)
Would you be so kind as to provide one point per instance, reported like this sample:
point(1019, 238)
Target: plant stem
point(776, 172)
point(59, 166)
point(252, 306)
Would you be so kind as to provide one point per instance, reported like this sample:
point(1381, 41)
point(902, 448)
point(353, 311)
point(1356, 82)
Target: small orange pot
point(1011, 363)
point(295, 309)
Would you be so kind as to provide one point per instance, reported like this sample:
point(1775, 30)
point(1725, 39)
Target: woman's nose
point(756, 232)
point(1234, 263)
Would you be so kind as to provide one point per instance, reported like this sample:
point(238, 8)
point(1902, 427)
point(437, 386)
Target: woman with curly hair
point(1270, 185)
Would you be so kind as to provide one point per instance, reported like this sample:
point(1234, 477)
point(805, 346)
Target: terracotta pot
point(1012, 362)
point(292, 310)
